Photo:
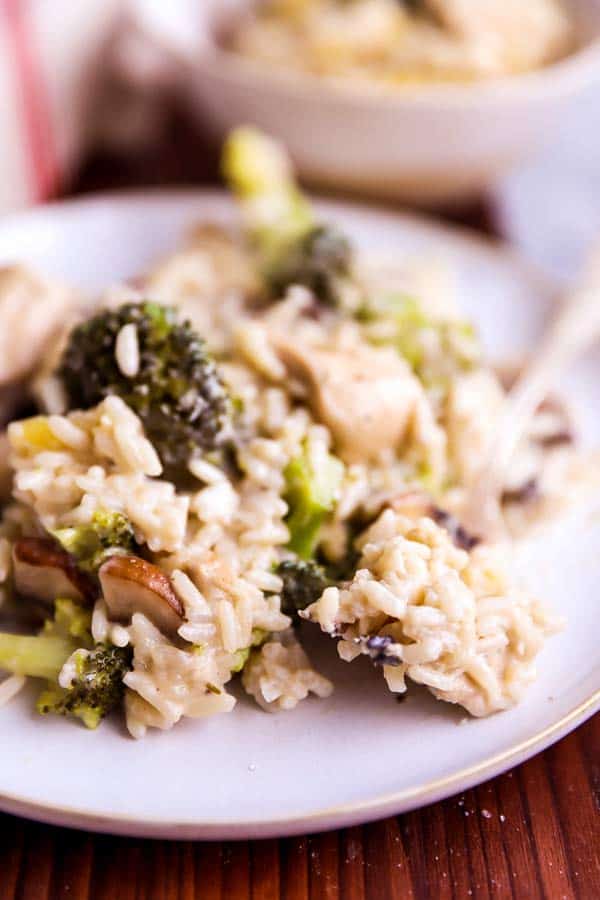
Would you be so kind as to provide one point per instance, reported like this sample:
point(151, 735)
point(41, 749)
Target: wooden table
point(531, 833)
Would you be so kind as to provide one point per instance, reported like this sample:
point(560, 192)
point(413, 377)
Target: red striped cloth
point(39, 142)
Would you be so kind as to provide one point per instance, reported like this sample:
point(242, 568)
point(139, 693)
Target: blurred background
point(110, 94)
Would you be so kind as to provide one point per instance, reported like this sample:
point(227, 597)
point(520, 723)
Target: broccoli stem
point(311, 493)
point(108, 532)
point(260, 174)
point(39, 656)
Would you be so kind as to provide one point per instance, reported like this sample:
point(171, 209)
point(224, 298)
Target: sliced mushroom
point(130, 585)
point(459, 534)
point(414, 504)
point(43, 572)
point(366, 397)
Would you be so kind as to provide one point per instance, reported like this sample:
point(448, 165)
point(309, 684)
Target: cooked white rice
point(384, 42)
point(449, 618)
point(127, 350)
point(452, 621)
point(279, 675)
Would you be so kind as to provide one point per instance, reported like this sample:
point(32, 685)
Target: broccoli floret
point(259, 636)
point(436, 349)
point(344, 568)
point(303, 583)
point(260, 174)
point(321, 260)
point(43, 655)
point(310, 492)
point(97, 685)
point(38, 656)
point(177, 391)
point(96, 688)
point(109, 532)
point(293, 247)
point(70, 621)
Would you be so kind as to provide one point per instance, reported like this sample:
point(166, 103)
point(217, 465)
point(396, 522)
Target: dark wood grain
point(531, 833)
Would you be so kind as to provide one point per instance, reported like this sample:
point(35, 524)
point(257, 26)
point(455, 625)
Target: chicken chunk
point(367, 397)
point(209, 282)
point(32, 311)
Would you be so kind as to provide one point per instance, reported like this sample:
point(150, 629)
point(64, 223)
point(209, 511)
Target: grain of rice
point(34, 480)
point(127, 350)
point(216, 503)
point(199, 634)
point(383, 598)
point(228, 625)
point(100, 623)
point(269, 534)
point(253, 344)
point(139, 455)
point(348, 652)
point(194, 603)
point(394, 677)
point(69, 672)
point(276, 408)
point(51, 395)
point(211, 704)
point(10, 687)
point(136, 727)
point(68, 433)
point(119, 636)
point(266, 581)
point(104, 631)
point(205, 471)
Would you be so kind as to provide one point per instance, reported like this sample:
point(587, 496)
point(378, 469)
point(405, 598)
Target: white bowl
point(49, 75)
point(431, 144)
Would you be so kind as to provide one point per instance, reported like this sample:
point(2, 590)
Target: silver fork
point(575, 328)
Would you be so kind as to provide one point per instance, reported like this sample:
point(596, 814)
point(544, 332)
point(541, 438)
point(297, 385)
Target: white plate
point(429, 144)
point(358, 755)
point(565, 177)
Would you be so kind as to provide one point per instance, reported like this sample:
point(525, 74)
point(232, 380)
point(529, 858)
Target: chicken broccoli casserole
point(406, 41)
point(267, 435)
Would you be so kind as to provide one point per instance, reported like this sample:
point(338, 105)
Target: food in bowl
point(265, 436)
point(396, 43)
